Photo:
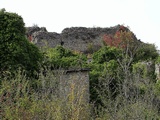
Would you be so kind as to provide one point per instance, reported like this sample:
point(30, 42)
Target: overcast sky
point(142, 16)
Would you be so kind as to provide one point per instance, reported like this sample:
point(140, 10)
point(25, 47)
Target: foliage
point(15, 49)
point(147, 52)
point(158, 60)
point(115, 66)
point(19, 100)
point(60, 57)
point(134, 48)
point(106, 54)
point(122, 85)
point(104, 64)
point(140, 68)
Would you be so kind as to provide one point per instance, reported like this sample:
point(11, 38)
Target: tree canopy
point(15, 50)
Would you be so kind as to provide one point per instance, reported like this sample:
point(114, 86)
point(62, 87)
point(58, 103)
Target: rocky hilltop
point(75, 38)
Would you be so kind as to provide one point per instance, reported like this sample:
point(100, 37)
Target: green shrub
point(20, 100)
point(60, 57)
point(15, 50)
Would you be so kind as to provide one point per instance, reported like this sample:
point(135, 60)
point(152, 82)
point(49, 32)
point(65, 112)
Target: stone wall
point(73, 84)
point(157, 71)
point(75, 38)
point(49, 39)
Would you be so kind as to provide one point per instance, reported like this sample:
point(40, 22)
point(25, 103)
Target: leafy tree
point(60, 57)
point(112, 66)
point(104, 69)
point(147, 52)
point(122, 78)
point(106, 54)
point(15, 50)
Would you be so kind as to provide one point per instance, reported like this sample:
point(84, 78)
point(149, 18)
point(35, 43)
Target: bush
point(20, 100)
point(15, 50)
point(60, 57)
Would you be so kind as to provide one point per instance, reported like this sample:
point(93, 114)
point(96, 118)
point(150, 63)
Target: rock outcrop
point(75, 38)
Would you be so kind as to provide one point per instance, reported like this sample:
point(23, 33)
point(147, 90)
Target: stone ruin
point(80, 39)
point(157, 71)
point(74, 89)
point(73, 83)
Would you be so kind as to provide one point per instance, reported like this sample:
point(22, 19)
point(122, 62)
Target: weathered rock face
point(40, 37)
point(80, 39)
point(75, 38)
point(31, 30)
point(49, 39)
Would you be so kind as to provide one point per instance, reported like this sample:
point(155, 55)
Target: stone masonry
point(80, 39)
point(73, 83)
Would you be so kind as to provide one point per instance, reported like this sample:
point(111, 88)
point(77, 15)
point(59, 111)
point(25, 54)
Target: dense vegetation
point(123, 83)
point(15, 50)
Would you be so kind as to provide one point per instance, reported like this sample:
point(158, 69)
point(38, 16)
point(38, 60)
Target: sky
point(141, 16)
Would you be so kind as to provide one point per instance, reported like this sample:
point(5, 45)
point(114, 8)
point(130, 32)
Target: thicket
point(15, 49)
point(61, 58)
point(122, 79)
point(123, 83)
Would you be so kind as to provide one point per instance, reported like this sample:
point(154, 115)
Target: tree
point(60, 57)
point(147, 52)
point(123, 81)
point(103, 70)
point(15, 50)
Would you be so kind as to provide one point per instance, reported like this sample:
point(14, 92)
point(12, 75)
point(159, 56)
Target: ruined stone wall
point(75, 38)
point(81, 39)
point(73, 84)
point(74, 89)
point(157, 71)
point(50, 39)
point(84, 39)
